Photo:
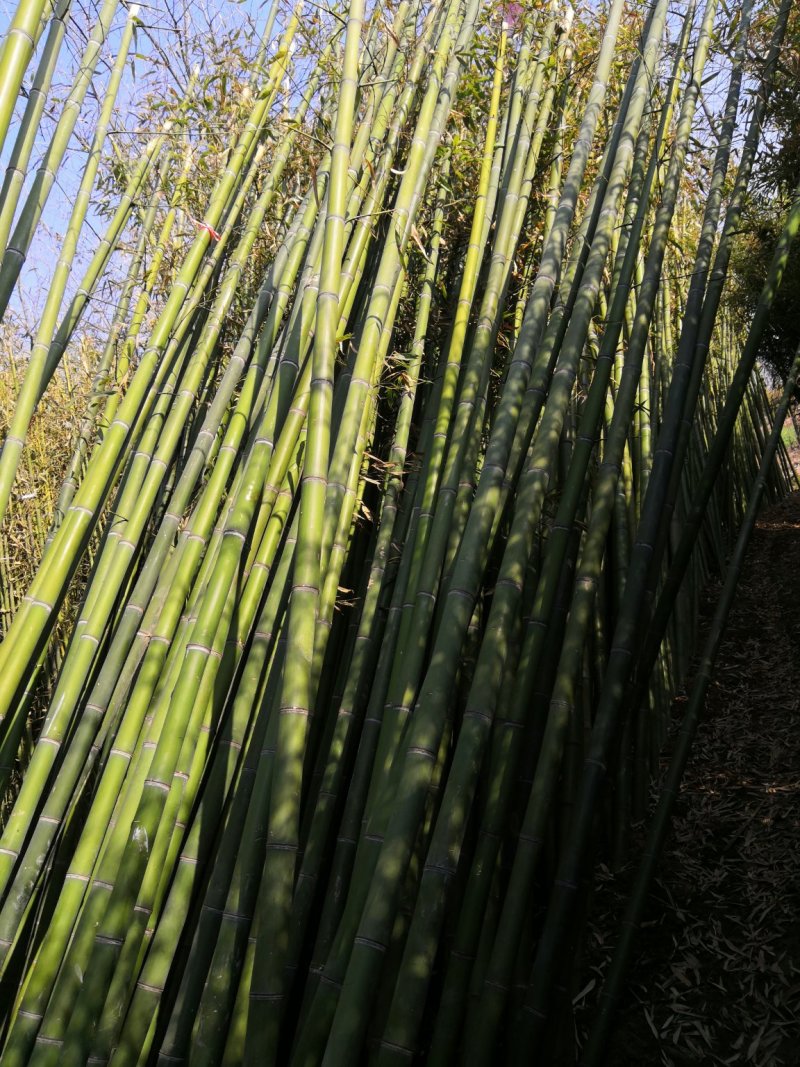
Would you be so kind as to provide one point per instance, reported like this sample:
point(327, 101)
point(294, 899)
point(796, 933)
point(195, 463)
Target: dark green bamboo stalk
point(661, 821)
point(296, 695)
point(700, 316)
point(620, 655)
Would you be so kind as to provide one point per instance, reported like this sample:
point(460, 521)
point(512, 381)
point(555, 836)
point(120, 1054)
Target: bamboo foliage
point(32, 386)
point(357, 620)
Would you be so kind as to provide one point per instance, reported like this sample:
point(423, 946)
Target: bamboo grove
point(357, 616)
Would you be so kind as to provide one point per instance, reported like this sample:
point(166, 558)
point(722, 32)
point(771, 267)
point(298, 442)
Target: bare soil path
point(716, 979)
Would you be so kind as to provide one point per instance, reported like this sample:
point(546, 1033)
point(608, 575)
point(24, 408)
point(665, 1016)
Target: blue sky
point(202, 17)
point(205, 17)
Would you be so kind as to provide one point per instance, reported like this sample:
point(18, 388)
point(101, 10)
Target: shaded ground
point(717, 976)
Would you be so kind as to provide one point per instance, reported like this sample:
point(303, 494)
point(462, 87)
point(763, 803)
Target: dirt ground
point(716, 978)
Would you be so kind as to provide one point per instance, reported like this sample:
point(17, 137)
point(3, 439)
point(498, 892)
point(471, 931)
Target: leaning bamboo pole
point(32, 383)
point(353, 532)
point(15, 253)
point(15, 53)
point(660, 823)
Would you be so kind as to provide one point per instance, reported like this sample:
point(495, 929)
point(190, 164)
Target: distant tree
point(776, 178)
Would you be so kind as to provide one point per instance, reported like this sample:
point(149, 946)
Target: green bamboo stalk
point(167, 750)
point(365, 650)
point(560, 536)
point(17, 249)
point(660, 823)
point(424, 791)
point(626, 629)
point(296, 693)
point(433, 115)
point(18, 46)
point(389, 268)
point(573, 172)
point(34, 618)
point(697, 328)
point(230, 897)
point(422, 740)
point(442, 472)
point(727, 419)
point(195, 537)
point(539, 462)
point(150, 811)
point(32, 382)
point(148, 901)
point(111, 364)
point(133, 509)
point(19, 159)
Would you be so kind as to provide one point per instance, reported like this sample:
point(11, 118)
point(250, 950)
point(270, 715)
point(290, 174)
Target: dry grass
point(49, 446)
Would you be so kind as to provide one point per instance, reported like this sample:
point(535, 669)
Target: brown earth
point(716, 976)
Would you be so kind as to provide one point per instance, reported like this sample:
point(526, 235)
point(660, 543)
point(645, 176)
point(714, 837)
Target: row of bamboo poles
point(351, 645)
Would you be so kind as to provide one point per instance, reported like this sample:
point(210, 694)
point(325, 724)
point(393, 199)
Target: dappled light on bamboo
point(416, 424)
